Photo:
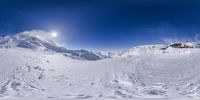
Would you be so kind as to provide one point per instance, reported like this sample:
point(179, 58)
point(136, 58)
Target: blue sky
point(104, 24)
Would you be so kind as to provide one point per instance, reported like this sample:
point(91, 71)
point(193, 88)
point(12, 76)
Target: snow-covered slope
point(34, 67)
point(35, 75)
point(155, 49)
point(152, 49)
point(39, 40)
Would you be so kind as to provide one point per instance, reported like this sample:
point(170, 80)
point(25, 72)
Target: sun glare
point(54, 34)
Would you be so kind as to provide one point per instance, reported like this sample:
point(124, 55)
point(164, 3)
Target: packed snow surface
point(142, 73)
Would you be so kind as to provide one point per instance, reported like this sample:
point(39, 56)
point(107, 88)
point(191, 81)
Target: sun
point(54, 34)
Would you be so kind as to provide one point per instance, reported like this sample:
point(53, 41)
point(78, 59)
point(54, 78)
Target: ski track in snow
point(35, 75)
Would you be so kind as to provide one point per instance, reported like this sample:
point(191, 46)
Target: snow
point(42, 41)
point(32, 75)
point(33, 67)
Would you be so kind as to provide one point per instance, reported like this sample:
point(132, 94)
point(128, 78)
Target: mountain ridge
point(40, 40)
point(37, 42)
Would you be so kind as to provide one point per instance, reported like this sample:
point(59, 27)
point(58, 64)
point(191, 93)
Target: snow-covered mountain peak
point(42, 40)
point(36, 39)
point(40, 34)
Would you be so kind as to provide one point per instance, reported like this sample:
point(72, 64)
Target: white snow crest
point(40, 34)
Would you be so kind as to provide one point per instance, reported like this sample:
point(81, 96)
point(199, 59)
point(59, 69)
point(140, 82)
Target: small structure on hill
point(5, 46)
point(182, 45)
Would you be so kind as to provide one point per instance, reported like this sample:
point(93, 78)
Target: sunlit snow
point(55, 73)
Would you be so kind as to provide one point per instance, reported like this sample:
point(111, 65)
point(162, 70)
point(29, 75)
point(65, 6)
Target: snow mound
point(21, 80)
point(21, 74)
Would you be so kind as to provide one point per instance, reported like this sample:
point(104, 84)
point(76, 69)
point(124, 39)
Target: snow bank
point(142, 72)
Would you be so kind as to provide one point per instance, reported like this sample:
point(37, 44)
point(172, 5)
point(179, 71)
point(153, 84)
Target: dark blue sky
point(104, 24)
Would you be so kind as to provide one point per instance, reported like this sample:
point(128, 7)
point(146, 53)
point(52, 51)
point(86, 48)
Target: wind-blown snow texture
point(144, 72)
